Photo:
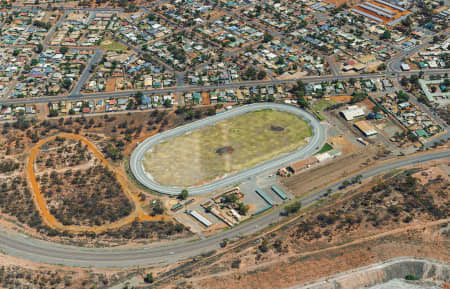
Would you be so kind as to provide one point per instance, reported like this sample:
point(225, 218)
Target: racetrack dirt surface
point(50, 220)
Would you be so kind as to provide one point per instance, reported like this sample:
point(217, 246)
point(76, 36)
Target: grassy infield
point(113, 45)
point(191, 159)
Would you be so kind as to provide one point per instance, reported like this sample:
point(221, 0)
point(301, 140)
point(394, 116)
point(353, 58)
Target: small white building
point(405, 67)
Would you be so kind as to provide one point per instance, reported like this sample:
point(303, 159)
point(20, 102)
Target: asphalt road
point(198, 88)
point(393, 64)
point(95, 59)
point(313, 145)
point(53, 29)
point(62, 7)
point(28, 248)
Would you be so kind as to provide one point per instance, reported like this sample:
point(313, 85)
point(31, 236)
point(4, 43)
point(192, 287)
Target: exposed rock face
point(397, 268)
point(404, 284)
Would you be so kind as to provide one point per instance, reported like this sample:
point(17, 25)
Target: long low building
point(265, 197)
point(398, 20)
point(396, 7)
point(366, 128)
point(352, 112)
point(380, 8)
point(376, 11)
point(200, 218)
point(367, 15)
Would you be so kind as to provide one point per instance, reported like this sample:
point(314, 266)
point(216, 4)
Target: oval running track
point(315, 142)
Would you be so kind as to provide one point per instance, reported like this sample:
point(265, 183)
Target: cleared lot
point(225, 148)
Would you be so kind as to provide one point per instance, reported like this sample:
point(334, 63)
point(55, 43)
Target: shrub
point(293, 208)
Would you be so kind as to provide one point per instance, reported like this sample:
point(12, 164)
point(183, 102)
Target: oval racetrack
point(317, 139)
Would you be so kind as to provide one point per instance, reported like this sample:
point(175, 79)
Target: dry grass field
point(225, 148)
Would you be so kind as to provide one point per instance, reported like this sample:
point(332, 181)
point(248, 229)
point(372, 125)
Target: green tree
point(149, 278)
point(293, 208)
point(138, 96)
point(53, 113)
point(63, 50)
point(243, 209)
point(67, 83)
point(167, 103)
point(264, 247)
point(386, 34)
point(267, 37)
point(184, 194)
point(402, 96)
point(261, 75)
point(299, 90)
point(358, 96)
point(39, 48)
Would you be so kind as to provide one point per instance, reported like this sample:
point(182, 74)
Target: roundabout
point(138, 155)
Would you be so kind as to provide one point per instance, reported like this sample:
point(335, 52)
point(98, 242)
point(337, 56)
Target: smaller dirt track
point(51, 221)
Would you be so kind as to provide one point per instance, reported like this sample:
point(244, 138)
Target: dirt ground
point(296, 259)
point(121, 131)
point(110, 85)
point(343, 144)
point(341, 98)
point(421, 242)
point(26, 274)
point(225, 148)
point(323, 175)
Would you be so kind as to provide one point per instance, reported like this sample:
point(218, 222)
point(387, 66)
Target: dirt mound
point(224, 150)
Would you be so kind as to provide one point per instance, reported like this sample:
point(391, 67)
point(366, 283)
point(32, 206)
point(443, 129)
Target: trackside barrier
point(265, 197)
point(176, 207)
point(261, 210)
point(279, 192)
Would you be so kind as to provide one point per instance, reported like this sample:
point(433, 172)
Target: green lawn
point(326, 147)
point(322, 104)
point(113, 45)
point(254, 137)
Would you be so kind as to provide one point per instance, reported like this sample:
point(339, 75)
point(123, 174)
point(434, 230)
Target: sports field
point(225, 148)
point(113, 45)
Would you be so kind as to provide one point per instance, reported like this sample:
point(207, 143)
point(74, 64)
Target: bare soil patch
point(403, 213)
point(85, 197)
point(322, 175)
point(115, 135)
point(276, 128)
point(224, 150)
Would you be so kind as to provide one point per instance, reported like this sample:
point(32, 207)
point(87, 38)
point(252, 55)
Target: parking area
point(257, 194)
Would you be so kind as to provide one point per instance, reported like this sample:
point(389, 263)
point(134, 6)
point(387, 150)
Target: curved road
point(41, 251)
point(317, 139)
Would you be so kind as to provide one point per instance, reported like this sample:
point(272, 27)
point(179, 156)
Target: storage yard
point(381, 11)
